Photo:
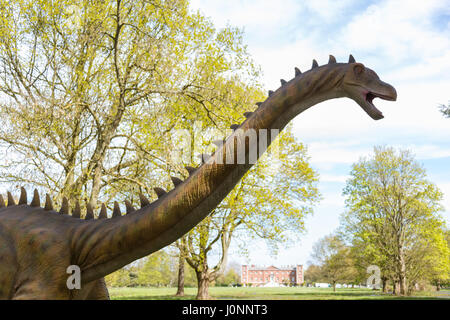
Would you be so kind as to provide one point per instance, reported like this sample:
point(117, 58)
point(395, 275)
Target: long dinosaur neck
point(102, 246)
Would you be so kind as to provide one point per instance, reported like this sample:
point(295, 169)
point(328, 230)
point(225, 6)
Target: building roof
point(264, 268)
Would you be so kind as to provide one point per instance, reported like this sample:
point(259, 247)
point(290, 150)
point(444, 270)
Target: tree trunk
point(203, 286)
point(334, 286)
point(180, 291)
point(384, 284)
point(396, 285)
point(403, 287)
point(438, 285)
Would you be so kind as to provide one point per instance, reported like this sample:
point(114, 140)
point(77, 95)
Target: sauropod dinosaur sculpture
point(38, 244)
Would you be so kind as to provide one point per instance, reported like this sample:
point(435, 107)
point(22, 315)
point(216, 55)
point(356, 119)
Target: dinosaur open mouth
point(370, 108)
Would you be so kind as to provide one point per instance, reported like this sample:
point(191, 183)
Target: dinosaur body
point(38, 244)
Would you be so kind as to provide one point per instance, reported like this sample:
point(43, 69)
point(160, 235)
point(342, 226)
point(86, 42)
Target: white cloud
point(398, 30)
point(265, 14)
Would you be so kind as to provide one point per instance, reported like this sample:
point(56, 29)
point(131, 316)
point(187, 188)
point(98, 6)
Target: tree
point(267, 203)
point(90, 91)
point(119, 278)
point(313, 274)
point(335, 260)
point(156, 270)
point(230, 277)
point(393, 214)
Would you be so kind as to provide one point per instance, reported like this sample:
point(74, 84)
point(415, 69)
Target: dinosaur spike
point(332, 59)
point(248, 114)
point(176, 181)
point(36, 202)
point(204, 157)
point(314, 64)
point(2, 202)
point(48, 203)
point(102, 214)
point(76, 213)
point(89, 212)
point(283, 82)
point(129, 207)
point(270, 93)
point(297, 72)
point(234, 126)
point(144, 200)
point(116, 210)
point(11, 201)
point(351, 59)
point(159, 192)
point(23, 196)
point(190, 170)
point(259, 104)
point(65, 206)
point(219, 143)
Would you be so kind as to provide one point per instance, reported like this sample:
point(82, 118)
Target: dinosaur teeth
point(89, 212)
point(36, 202)
point(144, 200)
point(23, 196)
point(176, 181)
point(65, 206)
point(129, 207)
point(332, 59)
point(270, 93)
point(234, 126)
point(159, 192)
point(351, 59)
point(297, 71)
point(102, 214)
point(314, 64)
point(283, 82)
point(76, 213)
point(116, 210)
point(11, 201)
point(2, 202)
point(190, 170)
point(48, 203)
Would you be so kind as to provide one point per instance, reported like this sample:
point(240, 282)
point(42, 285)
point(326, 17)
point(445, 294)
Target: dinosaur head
point(363, 85)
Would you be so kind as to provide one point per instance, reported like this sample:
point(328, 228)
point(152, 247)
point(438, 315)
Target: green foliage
point(91, 90)
point(157, 270)
point(231, 277)
point(313, 274)
point(335, 261)
point(119, 278)
point(392, 217)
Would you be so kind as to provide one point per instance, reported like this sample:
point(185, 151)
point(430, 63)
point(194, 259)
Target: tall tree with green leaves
point(90, 92)
point(270, 203)
point(393, 215)
point(335, 260)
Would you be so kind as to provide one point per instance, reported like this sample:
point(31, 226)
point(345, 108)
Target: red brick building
point(255, 276)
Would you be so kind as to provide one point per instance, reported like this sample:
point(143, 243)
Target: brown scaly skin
point(37, 245)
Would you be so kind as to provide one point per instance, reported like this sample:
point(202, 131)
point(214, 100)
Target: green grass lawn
point(299, 293)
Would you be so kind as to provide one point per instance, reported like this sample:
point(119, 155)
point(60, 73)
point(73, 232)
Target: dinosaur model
point(38, 244)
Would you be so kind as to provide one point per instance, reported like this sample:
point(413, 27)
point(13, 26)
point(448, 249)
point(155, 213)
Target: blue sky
point(406, 42)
